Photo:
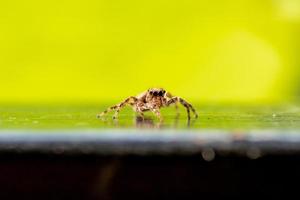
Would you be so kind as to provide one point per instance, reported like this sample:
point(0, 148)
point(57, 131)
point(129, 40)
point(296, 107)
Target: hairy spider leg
point(187, 105)
point(169, 96)
point(176, 108)
point(129, 101)
point(157, 113)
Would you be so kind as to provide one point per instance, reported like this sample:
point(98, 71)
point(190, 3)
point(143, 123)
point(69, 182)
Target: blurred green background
point(101, 50)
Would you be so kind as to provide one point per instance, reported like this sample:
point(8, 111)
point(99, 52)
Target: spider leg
point(176, 107)
point(183, 102)
point(157, 113)
point(169, 96)
point(141, 114)
point(130, 100)
point(187, 105)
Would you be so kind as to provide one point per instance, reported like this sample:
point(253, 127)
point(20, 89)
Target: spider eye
point(155, 93)
point(161, 93)
point(151, 92)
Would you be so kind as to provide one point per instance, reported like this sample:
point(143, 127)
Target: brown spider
point(150, 100)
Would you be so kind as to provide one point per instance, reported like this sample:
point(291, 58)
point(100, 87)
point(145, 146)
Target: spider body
point(151, 100)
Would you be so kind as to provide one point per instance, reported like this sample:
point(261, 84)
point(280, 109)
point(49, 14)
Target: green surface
point(227, 117)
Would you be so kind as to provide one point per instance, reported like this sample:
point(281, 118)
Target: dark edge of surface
point(151, 142)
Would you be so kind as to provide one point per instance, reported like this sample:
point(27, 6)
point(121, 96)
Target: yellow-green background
point(99, 50)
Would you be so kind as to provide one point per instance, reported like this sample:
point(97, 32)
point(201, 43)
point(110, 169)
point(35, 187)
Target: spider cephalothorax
point(151, 100)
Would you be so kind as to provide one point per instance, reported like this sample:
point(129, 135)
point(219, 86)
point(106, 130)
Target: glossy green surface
point(223, 117)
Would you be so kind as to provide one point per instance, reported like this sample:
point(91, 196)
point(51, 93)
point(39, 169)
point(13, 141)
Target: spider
point(151, 100)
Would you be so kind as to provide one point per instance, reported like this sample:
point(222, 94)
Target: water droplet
point(208, 154)
point(253, 153)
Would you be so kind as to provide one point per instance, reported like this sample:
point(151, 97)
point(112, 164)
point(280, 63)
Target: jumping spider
point(150, 100)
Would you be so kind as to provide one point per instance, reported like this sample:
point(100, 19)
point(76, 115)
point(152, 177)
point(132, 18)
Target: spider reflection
point(148, 123)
